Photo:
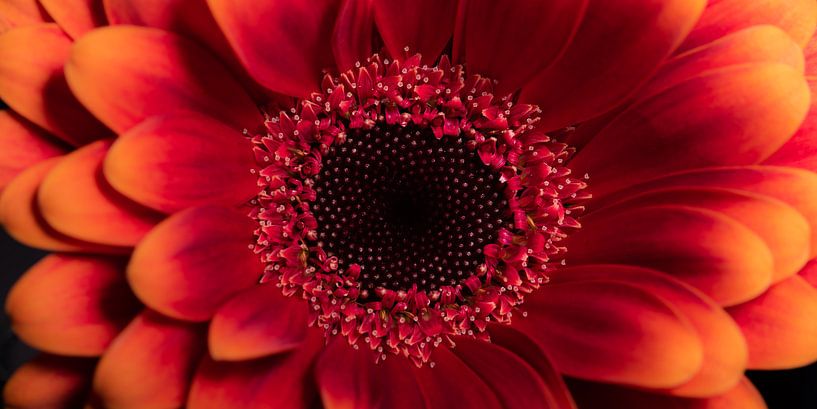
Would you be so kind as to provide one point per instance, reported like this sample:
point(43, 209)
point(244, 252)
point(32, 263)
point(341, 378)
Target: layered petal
point(424, 26)
point(125, 74)
point(513, 53)
point(256, 322)
point(734, 116)
point(779, 325)
point(14, 13)
point(588, 80)
point(353, 34)
point(151, 364)
point(76, 17)
point(277, 382)
point(449, 383)
point(71, 305)
point(194, 261)
point(350, 379)
point(613, 331)
point(51, 382)
point(283, 45)
point(724, 348)
point(174, 162)
point(721, 257)
point(95, 212)
point(33, 84)
point(31, 145)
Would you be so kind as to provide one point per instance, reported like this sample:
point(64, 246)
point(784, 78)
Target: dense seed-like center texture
point(407, 207)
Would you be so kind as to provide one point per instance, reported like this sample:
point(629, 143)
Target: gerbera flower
point(409, 203)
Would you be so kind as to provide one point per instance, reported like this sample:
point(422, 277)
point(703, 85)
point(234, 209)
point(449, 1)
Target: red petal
point(450, 384)
point(797, 17)
point(277, 382)
point(635, 37)
point(424, 26)
point(725, 351)
point(95, 213)
point(512, 53)
point(735, 116)
point(14, 13)
point(76, 17)
point(125, 74)
point(194, 261)
point(353, 33)
point(71, 305)
point(171, 163)
point(26, 144)
point(33, 84)
point(780, 326)
point(809, 273)
point(350, 379)
point(50, 382)
point(257, 322)
point(716, 254)
point(283, 45)
point(613, 332)
point(150, 364)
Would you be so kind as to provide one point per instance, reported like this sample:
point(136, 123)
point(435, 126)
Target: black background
point(794, 389)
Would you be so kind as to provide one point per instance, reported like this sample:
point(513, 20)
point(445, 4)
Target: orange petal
point(405, 23)
point(50, 382)
point(32, 82)
point(26, 144)
point(599, 396)
point(76, 17)
point(716, 254)
point(780, 326)
point(283, 45)
point(278, 382)
point(194, 261)
point(735, 116)
point(150, 364)
point(71, 305)
point(797, 17)
point(614, 332)
point(257, 322)
point(95, 212)
point(14, 13)
point(784, 230)
point(176, 162)
point(125, 74)
point(725, 350)
point(448, 383)
point(350, 379)
point(636, 36)
point(513, 53)
point(353, 33)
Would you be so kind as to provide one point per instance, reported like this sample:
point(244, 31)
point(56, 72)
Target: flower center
point(407, 204)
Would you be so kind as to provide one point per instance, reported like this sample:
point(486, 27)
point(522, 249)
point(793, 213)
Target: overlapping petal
point(34, 145)
point(76, 17)
point(405, 23)
point(50, 381)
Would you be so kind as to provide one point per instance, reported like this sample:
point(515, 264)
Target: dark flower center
point(407, 207)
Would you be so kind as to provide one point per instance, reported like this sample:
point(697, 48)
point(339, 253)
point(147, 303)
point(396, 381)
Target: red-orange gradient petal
point(151, 364)
point(725, 350)
point(76, 200)
point(350, 379)
point(721, 257)
point(278, 382)
point(424, 26)
point(809, 273)
point(175, 162)
point(26, 144)
point(512, 53)
point(449, 383)
point(283, 45)
point(14, 13)
point(76, 17)
point(33, 84)
point(780, 326)
point(600, 396)
point(256, 322)
point(734, 116)
point(612, 331)
point(125, 74)
point(72, 305)
point(50, 382)
point(194, 261)
point(797, 17)
point(636, 35)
